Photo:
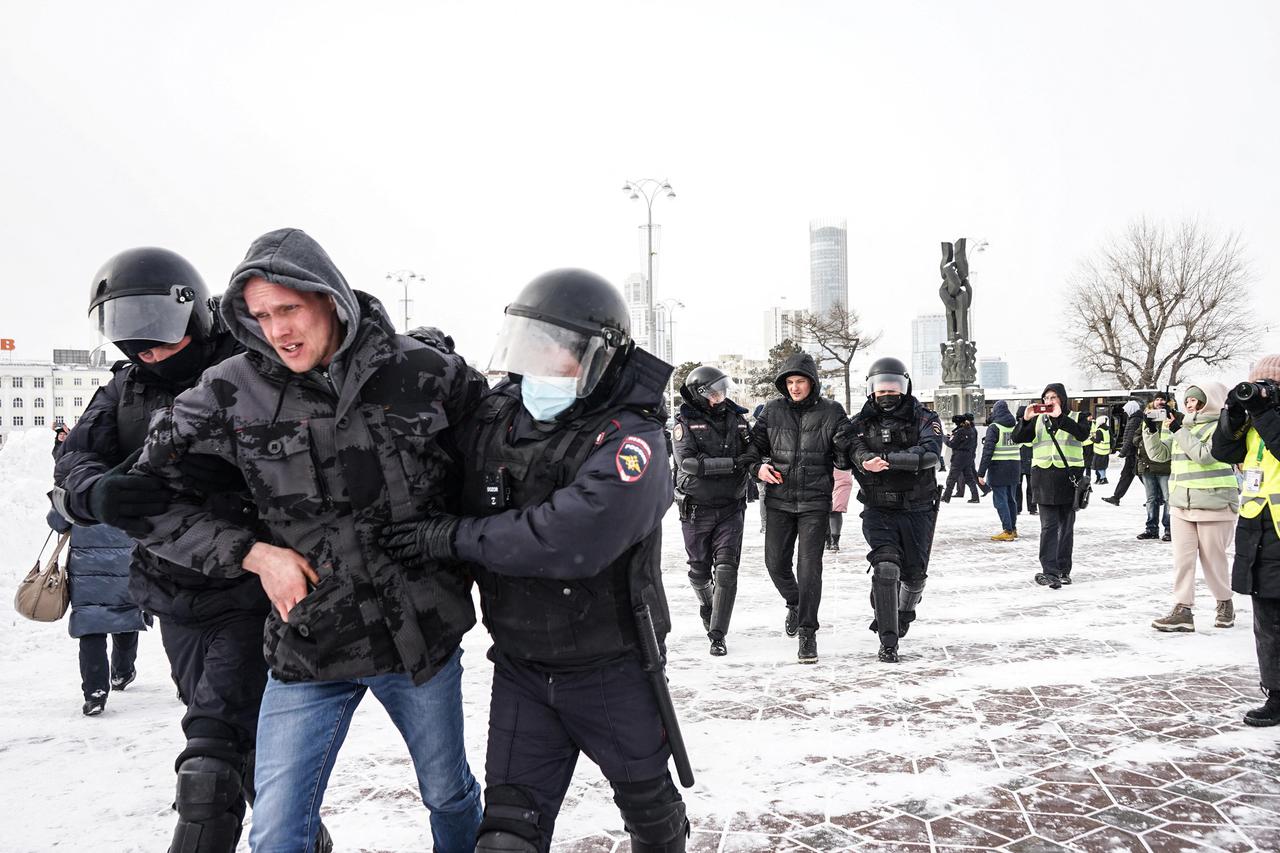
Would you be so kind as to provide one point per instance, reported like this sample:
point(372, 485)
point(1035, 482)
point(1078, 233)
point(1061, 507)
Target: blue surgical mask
point(545, 397)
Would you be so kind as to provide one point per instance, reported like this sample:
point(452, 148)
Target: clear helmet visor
point(717, 392)
point(532, 347)
point(149, 317)
point(892, 382)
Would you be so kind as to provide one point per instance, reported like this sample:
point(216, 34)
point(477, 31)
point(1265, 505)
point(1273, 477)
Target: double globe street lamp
point(403, 277)
point(649, 189)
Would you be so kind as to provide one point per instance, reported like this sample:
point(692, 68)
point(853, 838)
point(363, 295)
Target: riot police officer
point(895, 450)
point(154, 306)
point(710, 434)
point(565, 505)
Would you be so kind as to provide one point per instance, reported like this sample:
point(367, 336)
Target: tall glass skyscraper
point(828, 264)
point(928, 332)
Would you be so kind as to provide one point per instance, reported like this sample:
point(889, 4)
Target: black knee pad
point(885, 554)
point(886, 572)
point(727, 575)
point(210, 798)
point(511, 822)
point(654, 814)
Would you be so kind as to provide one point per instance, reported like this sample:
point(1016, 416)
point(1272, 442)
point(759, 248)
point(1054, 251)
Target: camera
point(1267, 389)
point(1157, 414)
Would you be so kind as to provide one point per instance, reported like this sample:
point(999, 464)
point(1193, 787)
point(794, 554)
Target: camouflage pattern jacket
point(327, 468)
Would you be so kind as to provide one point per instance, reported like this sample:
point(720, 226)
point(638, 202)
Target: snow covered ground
point(1020, 718)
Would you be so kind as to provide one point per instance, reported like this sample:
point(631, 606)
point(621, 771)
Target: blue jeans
point(302, 726)
point(1006, 500)
point(1157, 496)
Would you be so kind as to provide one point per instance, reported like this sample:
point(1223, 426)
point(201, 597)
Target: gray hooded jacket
point(329, 456)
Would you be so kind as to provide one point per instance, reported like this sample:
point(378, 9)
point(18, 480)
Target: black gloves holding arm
point(908, 460)
point(126, 500)
point(417, 543)
point(212, 474)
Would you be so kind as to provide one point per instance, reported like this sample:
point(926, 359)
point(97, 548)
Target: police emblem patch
point(678, 433)
point(937, 427)
point(633, 458)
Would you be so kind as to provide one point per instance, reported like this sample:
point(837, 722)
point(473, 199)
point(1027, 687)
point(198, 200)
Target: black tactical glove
point(417, 543)
point(1151, 424)
point(126, 500)
point(1236, 415)
point(1177, 421)
point(212, 474)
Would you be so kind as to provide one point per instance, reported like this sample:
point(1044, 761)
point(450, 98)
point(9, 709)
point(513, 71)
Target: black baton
point(651, 660)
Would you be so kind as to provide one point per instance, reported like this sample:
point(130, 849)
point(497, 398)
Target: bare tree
point(1158, 300)
point(836, 335)
point(682, 372)
point(760, 382)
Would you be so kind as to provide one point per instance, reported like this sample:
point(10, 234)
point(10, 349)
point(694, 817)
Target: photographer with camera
point(1057, 474)
point(1248, 435)
point(1153, 473)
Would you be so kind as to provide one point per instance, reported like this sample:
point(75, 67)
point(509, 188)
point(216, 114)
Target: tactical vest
point(1045, 455)
point(891, 489)
point(1258, 458)
point(1006, 449)
point(138, 402)
point(549, 620)
point(1193, 475)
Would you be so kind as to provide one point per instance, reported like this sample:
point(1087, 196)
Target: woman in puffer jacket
point(1204, 501)
point(840, 493)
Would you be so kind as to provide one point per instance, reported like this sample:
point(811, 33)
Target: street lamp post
point(403, 277)
point(648, 189)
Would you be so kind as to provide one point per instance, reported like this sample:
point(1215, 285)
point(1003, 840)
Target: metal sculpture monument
point(959, 392)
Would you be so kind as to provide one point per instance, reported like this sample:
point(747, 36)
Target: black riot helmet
point(886, 371)
point(565, 323)
point(706, 383)
point(150, 295)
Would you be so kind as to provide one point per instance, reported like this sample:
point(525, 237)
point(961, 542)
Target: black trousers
point(540, 721)
point(1266, 636)
point(713, 537)
point(1126, 475)
point(804, 535)
point(1057, 538)
point(909, 531)
point(1024, 489)
point(220, 673)
point(962, 474)
point(96, 670)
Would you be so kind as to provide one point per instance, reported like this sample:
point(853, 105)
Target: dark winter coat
point(708, 443)
point(802, 441)
point(1131, 426)
point(1256, 570)
point(1002, 472)
point(1146, 466)
point(1052, 486)
point(98, 577)
point(330, 457)
point(963, 442)
point(112, 427)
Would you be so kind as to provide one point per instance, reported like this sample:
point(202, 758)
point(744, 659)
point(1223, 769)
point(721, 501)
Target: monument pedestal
point(951, 400)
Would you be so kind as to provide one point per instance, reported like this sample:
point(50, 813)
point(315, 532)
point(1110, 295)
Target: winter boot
point(827, 545)
point(888, 654)
point(1266, 715)
point(1050, 580)
point(1148, 534)
point(792, 625)
point(121, 681)
point(1226, 615)
point(808, 652)
point(718, 649)
point(1004, 536)
point(704, 592)
point(1114, 501)
point(946, 498)
point(95, 704)
point(1033, 510)
point(1179, 619)
point(1166, 537)
point(835, 543)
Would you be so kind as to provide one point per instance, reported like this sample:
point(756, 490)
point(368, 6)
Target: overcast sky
point(480, 144)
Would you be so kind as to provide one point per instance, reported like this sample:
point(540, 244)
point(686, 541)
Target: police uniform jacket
point(963, 442)
point(574, 543)
point(113, 426)
point(803, 442)
point(910, 438)
point(330, 456)
point(708, 442)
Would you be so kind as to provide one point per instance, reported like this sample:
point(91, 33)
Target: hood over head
point(1000, 414)
point(802, 364)
point(1061, 391)
point(290, 258)
point(1215, 397)
point(1132, 407)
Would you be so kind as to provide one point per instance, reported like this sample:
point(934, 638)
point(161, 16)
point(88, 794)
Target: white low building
point(36, 394)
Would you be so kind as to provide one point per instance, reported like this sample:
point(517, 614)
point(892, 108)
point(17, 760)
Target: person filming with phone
point(1057, 474)
point(1248, 435)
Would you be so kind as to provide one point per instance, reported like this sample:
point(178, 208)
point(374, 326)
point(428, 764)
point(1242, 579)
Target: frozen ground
point(1020, 718)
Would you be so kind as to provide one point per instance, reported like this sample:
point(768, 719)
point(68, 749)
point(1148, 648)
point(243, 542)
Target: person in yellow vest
point(1248, 435)
point(1001, 469)
point(1057, 464)
point(1204, 501)
point(1086, 418)
point(1101, 435)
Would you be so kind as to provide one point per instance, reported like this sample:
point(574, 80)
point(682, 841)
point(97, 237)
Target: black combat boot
point(1266, 715)
point(888, 654)
point(718, 649)
point(808, 652)
point(793, 621)
point(835, 543)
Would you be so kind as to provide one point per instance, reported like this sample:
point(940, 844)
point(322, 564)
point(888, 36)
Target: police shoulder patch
point(937, 427)
point(678, 432)
point(633, 458)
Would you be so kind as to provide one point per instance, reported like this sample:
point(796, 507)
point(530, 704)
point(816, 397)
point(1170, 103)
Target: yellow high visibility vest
point(1258, 458)
point(1103, 445)
point(1006, 450)
point(1193, 475)
point(1045, 455)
